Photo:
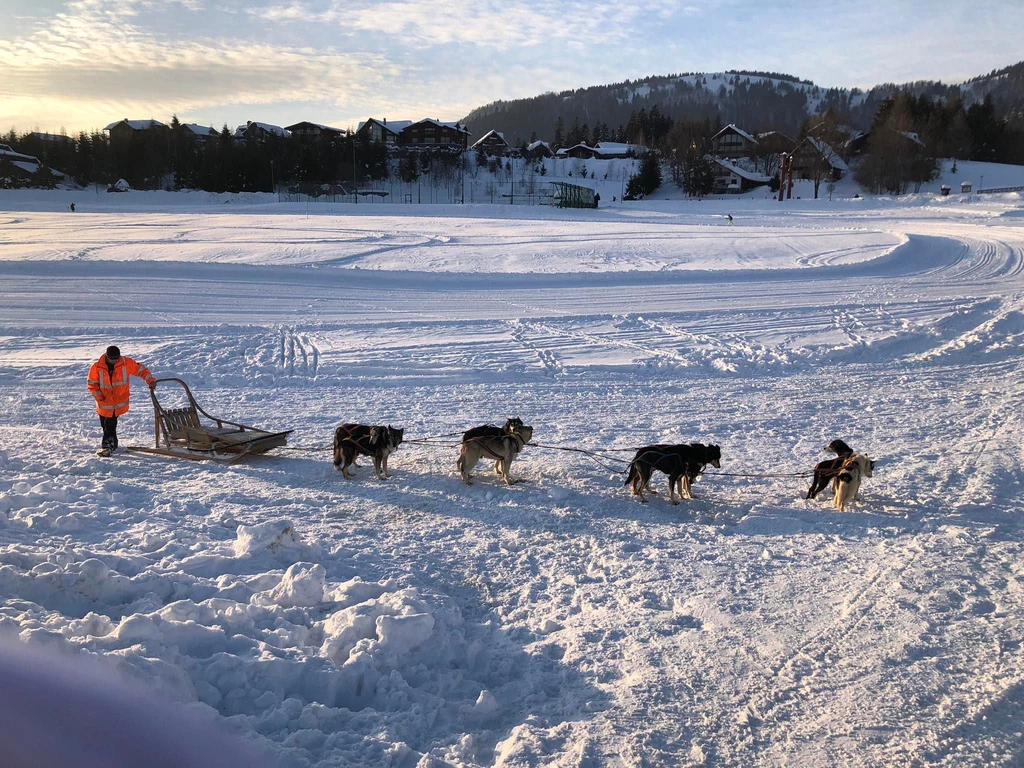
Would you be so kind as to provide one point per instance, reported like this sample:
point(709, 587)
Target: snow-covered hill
point(749, 98)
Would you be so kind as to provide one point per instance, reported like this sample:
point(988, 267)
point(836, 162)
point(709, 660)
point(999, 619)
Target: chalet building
point(493, 143)
point(774, 142)
point(732, 142)
point(433, 134)
point(126, 129)
point(259, 131)
point(314, 131)
point(857, 143)
point(51, 138)
point(374, 130)
point(198, 132)
point(580, 150)
point(21, 167)
point(813, 152)
point(538, 150)
point(607, 150)
point(733, 179)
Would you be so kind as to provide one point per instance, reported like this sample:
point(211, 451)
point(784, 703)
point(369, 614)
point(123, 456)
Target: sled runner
point(181, 432)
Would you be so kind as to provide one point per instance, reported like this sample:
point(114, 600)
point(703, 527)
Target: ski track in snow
point(418, 621)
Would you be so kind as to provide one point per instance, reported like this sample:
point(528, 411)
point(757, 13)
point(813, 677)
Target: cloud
point(499, 26)
point(96, 54)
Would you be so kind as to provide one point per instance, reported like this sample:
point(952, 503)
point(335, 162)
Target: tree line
point(175, 159)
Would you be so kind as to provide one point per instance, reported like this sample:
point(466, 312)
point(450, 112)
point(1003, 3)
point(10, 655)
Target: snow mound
point(302, 585)
point(275, 537)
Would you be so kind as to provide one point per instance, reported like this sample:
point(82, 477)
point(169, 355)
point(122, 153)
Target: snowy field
point(421, 622)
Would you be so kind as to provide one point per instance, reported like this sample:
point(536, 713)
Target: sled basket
point(190, 432)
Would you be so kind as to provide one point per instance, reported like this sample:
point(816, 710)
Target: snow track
point(418, 621)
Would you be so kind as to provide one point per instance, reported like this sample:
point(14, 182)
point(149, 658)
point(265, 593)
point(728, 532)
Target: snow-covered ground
point(418, 621)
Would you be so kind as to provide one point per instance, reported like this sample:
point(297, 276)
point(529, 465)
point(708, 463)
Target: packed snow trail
point(558, 621)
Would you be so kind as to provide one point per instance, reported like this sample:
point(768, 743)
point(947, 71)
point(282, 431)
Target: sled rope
point(757, 474)
point(599, 457)
point(596, 457)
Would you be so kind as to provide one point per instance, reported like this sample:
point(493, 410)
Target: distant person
point(729, 216)
point(72, 207)
point(597, 199)
point(108, 383)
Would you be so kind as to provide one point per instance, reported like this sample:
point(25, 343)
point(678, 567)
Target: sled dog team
point(682, 463)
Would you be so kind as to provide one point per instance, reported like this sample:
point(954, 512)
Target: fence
point(999, 190)
point(424, 192)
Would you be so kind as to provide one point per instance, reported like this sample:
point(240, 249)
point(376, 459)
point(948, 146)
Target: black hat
point(113, 353)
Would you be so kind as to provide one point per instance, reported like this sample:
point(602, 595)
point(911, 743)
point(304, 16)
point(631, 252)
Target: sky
point(82, 64)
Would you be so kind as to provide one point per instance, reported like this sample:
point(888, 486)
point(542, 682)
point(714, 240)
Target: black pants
point(109, 424)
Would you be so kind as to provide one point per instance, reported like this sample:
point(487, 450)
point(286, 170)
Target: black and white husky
point(351, 440)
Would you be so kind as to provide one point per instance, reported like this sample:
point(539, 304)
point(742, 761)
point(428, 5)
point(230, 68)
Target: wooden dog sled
point(180, 432)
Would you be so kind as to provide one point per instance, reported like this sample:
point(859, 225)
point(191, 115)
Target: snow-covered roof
point(581, 145)
point(615, 148)
point(275, 129)
point(321, 126)
point(26, 167)
point(772, 135)
point(829, 154)
point(50, 136)
point(395, 126)
point(456, 126)
point(742, 172)
point(538, 143)
point(487, 135)
point(734, 128)
point(200, 130)
point(913, 136)
point(9, 154)
point(137, 125)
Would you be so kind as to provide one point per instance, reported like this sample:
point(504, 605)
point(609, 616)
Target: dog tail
point(631, 473)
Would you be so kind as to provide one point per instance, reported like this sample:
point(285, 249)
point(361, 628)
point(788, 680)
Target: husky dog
point(682, 463)
point(501, 444)
point(378, 442)
point(854, 469)
point(826, 471)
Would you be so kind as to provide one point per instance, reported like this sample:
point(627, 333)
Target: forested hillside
point(757, 100)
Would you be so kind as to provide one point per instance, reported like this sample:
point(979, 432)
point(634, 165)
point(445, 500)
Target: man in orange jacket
point(108, 383)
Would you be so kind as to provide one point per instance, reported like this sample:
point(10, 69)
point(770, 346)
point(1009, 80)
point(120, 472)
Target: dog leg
point(684, 482)
point(465, 469)
point(385, 465)
point(505, 466)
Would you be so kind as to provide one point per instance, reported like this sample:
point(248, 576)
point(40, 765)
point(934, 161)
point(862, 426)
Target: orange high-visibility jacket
point(112, 392)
